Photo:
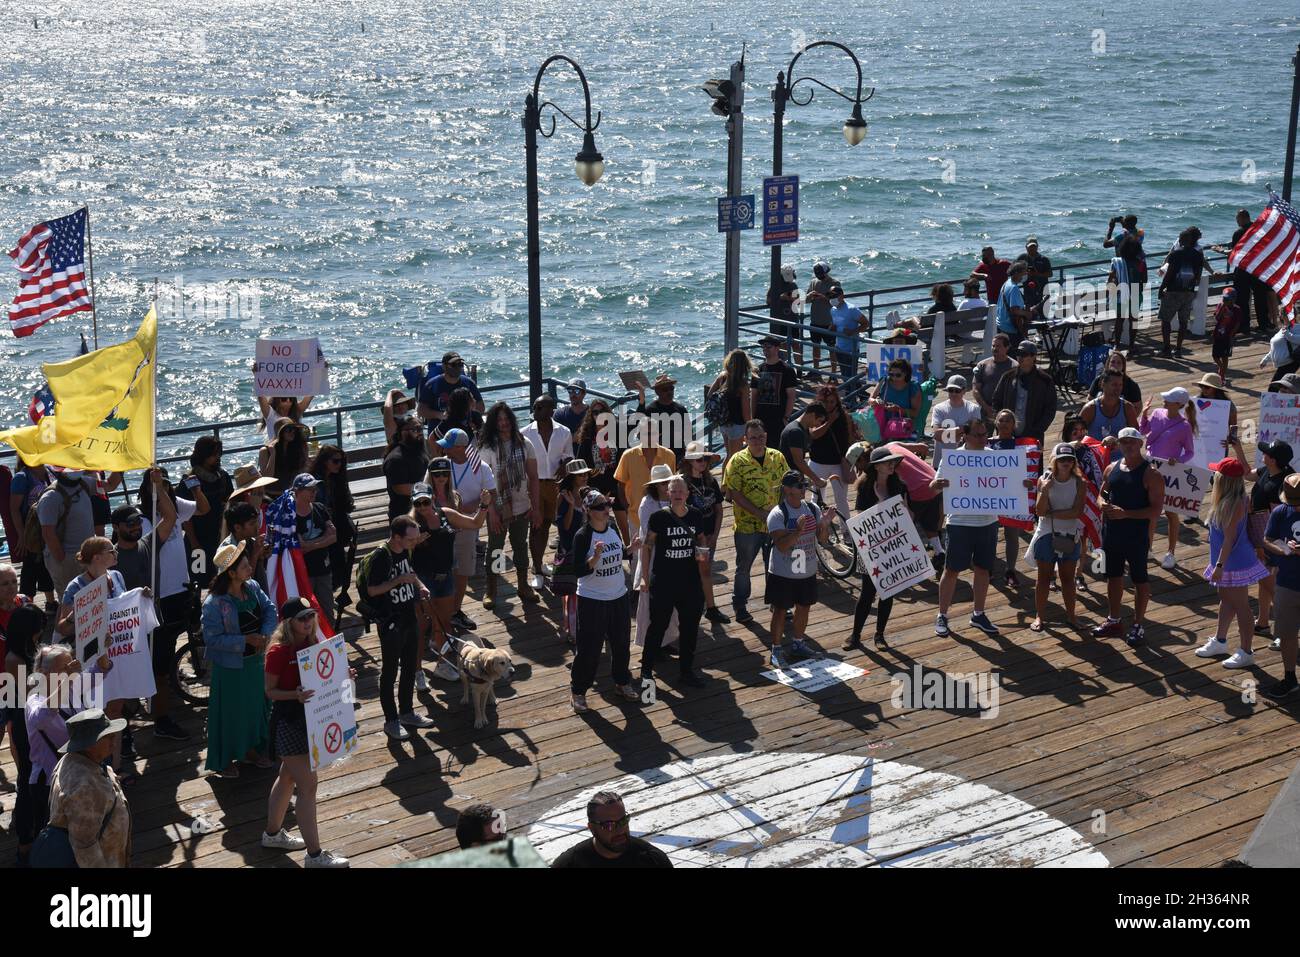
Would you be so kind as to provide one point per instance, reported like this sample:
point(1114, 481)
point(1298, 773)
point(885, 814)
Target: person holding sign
point(1282, 542)
point(1132, 494)
point(283, 686)
point(972, 542)
point(1058, 539)
point(1234, 566)
point(877, 480)
point(97, 557)
point(1265, 496)
point(1170, 435)
point(676, 546)
point(795, 527)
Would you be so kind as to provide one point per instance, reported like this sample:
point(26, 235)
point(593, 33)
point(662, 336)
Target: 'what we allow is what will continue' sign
point(890, 548)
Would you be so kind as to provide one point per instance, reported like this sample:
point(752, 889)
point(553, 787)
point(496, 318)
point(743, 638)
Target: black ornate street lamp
point(855, 127)
point(589, 165)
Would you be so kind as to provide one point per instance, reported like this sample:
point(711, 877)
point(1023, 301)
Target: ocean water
point(355, 170)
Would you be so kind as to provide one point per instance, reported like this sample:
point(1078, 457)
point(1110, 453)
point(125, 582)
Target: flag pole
point(90, 267)
point(153, 432)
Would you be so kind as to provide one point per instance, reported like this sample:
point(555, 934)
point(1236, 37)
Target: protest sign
point(1279, 418)
point(90, 618)
point(1211, 431)
point(331, 720)
point(1185, 487)
point(878, 356)
point(985, 482)
point(890, 548)
point(131, 620)
point(293, 367)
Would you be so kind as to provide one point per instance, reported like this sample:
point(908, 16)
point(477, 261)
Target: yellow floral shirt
point(761, 484)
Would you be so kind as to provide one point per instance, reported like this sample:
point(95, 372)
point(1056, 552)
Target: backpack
point(33, 540)
point(364, 605)
point(715, 407)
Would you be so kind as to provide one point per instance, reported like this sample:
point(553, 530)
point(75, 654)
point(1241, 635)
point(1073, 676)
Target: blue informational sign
point(735, 212)
point(780, 210)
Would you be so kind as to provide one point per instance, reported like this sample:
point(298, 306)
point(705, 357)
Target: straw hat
point(248, 478)
point(698, 450)
point(662, 381)
point(661, 473)
point(1211, 380)
point(227, 557)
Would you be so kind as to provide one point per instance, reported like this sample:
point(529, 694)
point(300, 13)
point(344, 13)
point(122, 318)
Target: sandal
point(881, 643)
point(1036, 625)
point(851, 642)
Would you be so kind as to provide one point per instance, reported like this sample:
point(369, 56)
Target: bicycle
point(838, 555)
point(191, 675)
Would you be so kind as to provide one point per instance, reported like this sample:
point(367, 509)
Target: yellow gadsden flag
point(103, 409)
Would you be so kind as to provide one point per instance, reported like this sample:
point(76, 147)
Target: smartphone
point(192, 482)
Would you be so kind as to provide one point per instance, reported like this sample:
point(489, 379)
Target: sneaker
point(395, 731)
point(1013, 580)
point(691, 679)
point(1213, 648)
point(941, 626)
point(1282, 690)
point(741, 614)
point(981, 621)
point(325, 859)
point(489, 602)
point(167, 728)
point(776, 657)
point(1136, 635)
point(1263, 630)
point(283, 841)
point(801, 649)
point(421, 680)
point(446, 671)
point(578, 703)
point(462, 620)
point(851, 642)
point(1240, 659)
point(413, 720)
point(716, 616)
point(628, 692)
point(1168, 563)
point(1110, 628)
point(1275, 644)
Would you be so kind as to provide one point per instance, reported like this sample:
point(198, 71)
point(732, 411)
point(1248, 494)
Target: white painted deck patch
point(814, 674)
point(791, 809)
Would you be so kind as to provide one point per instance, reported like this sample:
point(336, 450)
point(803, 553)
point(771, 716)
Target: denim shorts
point(972, 544)
point(1043, 551)
point(440, 586)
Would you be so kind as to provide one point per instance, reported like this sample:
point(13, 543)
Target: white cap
point(1130, 433)
point(1176, 394)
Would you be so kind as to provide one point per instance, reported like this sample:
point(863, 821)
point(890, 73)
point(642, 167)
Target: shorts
point(101, 512)
point(1286, 613)
point(550, 499)
point(785, 592)
point(928, 515)
point(465, 553)
point(1220, 348)
point(822, 336)
point(972, 545)
point(1176, 301)
point(290, 736)
point(1043, 551)
point(733, 433)
point(440, 585)
point(1135, 552)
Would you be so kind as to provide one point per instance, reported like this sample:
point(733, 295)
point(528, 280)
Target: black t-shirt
point(702, 497)
point(772, 383)
point(1039, 267)
point(834, 442)
point(794, 436)
point(433, 556)
point(673, 563)
point(133, 564)
point(784, 307)
point(1267, 490)
point(207, 527)
point(312, 526)
point(404, 466)
point(639, 853)
point(400, 601)
point(1185, 265)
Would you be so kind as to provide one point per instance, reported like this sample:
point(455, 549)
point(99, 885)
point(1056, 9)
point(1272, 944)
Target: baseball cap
point(1130, 433)
point(1232, 468)
point(1031, 240)
point(304, 480)
point(1279, 450)
point(296, 608)
point(453, 438)
point(1026, 348)
point(125, 513)
point(449, 357)
point(956, 382)
point(577, 385)
point(793, 479)
point(421, 490)
point(1176, 394)
point(1064, 450)
point(820, 269)
point(594, 498)
point(440, 464)
point(854, 452)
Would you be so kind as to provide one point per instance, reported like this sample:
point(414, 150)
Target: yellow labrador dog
point(480, 669)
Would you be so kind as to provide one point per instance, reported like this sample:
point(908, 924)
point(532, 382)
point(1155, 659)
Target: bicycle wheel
point(191, 675)
point(838, 556)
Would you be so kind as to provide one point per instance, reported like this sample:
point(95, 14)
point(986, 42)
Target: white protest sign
point(1212, 430)
point(331, 720)
point(985, 482)
point(90, 616)
point(814, 675)
point(1279, 418)
point(878, 356)
point(890, 548)
point(131, 620)
point(1185, 487)
point(294, 367)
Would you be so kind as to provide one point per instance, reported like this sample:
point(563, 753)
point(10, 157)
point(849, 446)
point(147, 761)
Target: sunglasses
point(615, 825)
point(897, 375)
point(599, 507)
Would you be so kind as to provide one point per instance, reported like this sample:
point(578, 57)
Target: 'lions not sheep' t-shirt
point(606, 581)
point(673, 562)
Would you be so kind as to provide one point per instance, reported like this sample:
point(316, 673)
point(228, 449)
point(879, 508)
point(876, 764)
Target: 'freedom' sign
point(292, 367)
point(985, 482)
point(890, 548)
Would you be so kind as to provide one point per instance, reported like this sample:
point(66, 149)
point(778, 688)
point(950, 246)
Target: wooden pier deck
point(1097, 754)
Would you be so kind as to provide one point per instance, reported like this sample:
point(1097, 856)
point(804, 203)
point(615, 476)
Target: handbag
point(53, 846)
point(894, 424)
point(1063, 545)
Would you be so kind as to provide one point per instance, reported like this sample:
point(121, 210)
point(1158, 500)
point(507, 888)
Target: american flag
point(286, 569)
point(42, 403)
point(1034, 466)
point(52, 259)
point(1093, 468)
point(1270, 249)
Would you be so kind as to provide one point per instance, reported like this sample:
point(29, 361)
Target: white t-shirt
point(174, 561)
point(606, 581)
point(976, 303)
point(470, 480)
point(946, 421)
